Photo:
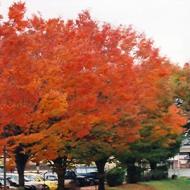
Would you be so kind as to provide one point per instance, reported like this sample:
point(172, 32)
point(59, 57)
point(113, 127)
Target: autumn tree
point(77, 82)
point(122, 89)
point(181, 85)
point(27, 81)
point(162, 126)
point(95, 82)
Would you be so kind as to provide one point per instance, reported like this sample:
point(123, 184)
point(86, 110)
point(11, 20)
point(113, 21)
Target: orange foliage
point(61, 79)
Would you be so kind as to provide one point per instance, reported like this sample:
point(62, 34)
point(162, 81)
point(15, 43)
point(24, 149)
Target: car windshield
point(51, 178)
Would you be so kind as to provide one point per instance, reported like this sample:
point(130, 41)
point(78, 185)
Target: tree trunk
point(100, 164)
point(60, 165)
point(133, 174)
point(21, 159)
point(38, 167)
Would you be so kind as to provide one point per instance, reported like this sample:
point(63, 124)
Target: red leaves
point(17, 11)
point(16, 14)
point(37, 22)
point(65, 79)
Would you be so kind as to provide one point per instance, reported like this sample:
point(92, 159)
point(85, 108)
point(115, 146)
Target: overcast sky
point(167, 22)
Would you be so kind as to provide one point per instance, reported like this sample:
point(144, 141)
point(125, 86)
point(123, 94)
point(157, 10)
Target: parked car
point(80, 181)
point(39, 181)
point(13, 179)
point(51, 180)
point(36, 180)
point(91, 177)
point(13, 184)
point(8, 184)
point(90, 173)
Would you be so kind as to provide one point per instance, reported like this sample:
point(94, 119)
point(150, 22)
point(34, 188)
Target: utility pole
point(4, 165)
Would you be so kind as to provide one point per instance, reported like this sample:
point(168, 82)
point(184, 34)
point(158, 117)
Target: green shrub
point(161, 172)
point(134, 174)
point(158, 174)
point(115, 176)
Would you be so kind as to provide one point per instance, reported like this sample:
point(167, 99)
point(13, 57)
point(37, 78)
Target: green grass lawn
point(178, 184)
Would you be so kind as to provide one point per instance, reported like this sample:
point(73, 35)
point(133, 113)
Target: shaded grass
point(178, 184)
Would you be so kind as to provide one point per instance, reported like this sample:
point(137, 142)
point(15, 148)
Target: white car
point(29, 184)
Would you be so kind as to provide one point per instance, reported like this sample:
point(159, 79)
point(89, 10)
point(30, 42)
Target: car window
point(51, 178)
